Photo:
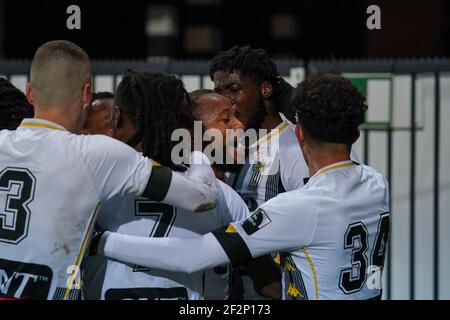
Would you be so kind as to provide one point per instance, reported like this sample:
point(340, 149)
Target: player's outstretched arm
point(270, 228)
point(171, 254)
point(195, 191)
point(114, 168)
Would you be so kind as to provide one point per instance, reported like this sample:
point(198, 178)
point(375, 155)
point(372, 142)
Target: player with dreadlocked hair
point(155, 104)
point(250, 77)
point(149, 107)
point(14, 106)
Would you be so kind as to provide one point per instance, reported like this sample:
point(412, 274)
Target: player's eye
point(235, 87)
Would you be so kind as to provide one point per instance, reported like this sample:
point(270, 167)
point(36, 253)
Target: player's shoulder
point(96, 139)
point(229, 195)
point(226, 189)
point(4, 134)
point(98, 144)
point(368, 172)
point(292, 201)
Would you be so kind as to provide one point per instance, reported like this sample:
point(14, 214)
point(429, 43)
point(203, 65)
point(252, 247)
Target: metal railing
point(419, 250)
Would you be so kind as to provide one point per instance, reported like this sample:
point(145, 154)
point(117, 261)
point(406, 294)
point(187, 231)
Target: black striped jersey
point(275, 165)
point(140, 217)
point(51, 182)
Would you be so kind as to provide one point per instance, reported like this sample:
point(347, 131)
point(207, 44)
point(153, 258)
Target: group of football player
point(93, 206)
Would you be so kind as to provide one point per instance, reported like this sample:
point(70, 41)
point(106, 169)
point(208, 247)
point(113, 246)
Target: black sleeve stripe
point(158, 184)
point(234, 246)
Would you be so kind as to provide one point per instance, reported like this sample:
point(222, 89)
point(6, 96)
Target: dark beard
point(258, 116)
point(229, 167)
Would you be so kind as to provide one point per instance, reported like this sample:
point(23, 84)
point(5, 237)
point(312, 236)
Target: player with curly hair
point(14, 106)
point(333, 231)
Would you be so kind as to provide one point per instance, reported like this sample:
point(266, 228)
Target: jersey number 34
point(356, 238)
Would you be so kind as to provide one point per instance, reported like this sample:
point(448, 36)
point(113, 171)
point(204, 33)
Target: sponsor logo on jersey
point(24, 280)
point(256, 222)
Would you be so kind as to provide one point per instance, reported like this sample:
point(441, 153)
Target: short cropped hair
point(58, 72)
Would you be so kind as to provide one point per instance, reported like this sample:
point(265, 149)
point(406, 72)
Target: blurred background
point(402, 69)
point(199, 28)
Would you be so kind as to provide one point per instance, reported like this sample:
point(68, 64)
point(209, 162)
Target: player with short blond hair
point(53, 181)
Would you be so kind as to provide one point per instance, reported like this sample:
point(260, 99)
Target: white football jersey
point(275, 167)
point(332, 234)
point(51, 183)
point(140, 217)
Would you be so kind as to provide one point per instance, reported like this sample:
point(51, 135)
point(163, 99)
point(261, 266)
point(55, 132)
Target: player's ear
point(115, 118)
point(266, 90)
point(299, 133)
point(87, 95)
point(29, 94)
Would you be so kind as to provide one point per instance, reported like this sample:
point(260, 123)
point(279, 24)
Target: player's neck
point(271, 121)
point(56, 116)
point(319, 159)
point(219, 172)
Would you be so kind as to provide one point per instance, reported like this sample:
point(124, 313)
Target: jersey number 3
point(356, 238)
point(16, 193)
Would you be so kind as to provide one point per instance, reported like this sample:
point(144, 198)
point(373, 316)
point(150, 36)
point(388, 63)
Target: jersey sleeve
point(113, 167)
point(270, 228)
point(277, 225)
point(186, 255)
point(231, 206)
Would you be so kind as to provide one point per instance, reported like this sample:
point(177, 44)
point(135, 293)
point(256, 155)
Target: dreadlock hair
point(102, 95)
point(14, 106)
point(157, 104)
point(257, 64)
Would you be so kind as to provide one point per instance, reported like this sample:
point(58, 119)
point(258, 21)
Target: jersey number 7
point(164, 216)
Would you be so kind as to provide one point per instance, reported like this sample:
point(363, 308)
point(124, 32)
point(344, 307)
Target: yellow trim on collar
point(40, 125)
point(338, 166)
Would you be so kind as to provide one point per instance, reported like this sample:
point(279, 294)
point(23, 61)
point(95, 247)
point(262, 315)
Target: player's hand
point(200, 170)
point(196, 189)
point(95, 240)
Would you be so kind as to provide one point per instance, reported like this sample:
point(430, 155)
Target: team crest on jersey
point(256, 222)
